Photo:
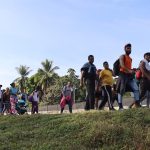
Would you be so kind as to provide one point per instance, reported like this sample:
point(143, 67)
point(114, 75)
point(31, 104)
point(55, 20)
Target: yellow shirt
point(106, 77)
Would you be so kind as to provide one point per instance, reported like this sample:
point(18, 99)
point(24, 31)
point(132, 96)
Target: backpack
point(116, 67)
point(138, 74)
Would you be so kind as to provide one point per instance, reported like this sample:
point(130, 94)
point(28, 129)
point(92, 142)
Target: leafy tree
point(71, 72)
point(22, 80)
point(32, 83)
point(46, 74)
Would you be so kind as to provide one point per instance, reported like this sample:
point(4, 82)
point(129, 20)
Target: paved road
point(78, 107)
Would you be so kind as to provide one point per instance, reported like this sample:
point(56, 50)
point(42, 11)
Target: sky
point(67, 31)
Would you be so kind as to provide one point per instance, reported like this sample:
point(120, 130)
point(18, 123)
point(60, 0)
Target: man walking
point(88, 77)
point(145, 79)
point(126, 77)
point(106, 80)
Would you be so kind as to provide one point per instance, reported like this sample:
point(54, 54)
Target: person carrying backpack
point(88, 77)
point(126, 77)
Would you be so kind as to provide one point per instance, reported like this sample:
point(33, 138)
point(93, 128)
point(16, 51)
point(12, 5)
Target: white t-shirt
point(147, 66)
point(36, 96)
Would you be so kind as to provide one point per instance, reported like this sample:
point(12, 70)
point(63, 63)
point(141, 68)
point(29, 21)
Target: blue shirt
point(13, 90)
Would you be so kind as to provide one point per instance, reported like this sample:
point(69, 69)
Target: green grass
point(129, 129)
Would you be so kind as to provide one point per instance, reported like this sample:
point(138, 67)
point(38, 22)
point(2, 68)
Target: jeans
point(127, 81)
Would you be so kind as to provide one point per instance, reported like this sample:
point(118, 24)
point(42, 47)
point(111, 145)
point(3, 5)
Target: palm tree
point(46, 74)
point(71, 72)
point(23, 72)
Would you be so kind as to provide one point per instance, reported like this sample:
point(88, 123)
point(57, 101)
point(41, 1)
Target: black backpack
point(116, 67)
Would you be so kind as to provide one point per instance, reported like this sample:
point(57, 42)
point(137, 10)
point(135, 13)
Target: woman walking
point(13, 98)
point(6, 101)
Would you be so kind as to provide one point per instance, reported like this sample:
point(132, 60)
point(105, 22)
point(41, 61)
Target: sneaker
point(101, 108)
point(121, 109)
point(112, 109)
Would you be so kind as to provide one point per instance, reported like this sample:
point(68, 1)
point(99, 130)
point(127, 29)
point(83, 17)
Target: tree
point(46, 74)
point(22, 80)
point(32, 83)
point(71, 72)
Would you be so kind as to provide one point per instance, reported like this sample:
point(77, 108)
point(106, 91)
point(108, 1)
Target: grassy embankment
point(129, 129)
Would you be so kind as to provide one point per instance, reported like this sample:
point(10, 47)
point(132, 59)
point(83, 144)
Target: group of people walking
point(8, 99)
point(99, 84)
point(14, 102)
point(101, 81)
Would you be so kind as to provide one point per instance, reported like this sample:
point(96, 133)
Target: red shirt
point(127, 63)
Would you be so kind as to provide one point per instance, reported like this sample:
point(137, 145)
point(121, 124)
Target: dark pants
point(98, 96)
point(148, 99)
point(144, 87)
point(114, 97)
point(69, 103)
point(6, 106)
point(35, 107)
point(1, 106)
point(90, 94)
point(107, 97)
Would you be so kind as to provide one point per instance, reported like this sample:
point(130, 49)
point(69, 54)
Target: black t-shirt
point(89, 71)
